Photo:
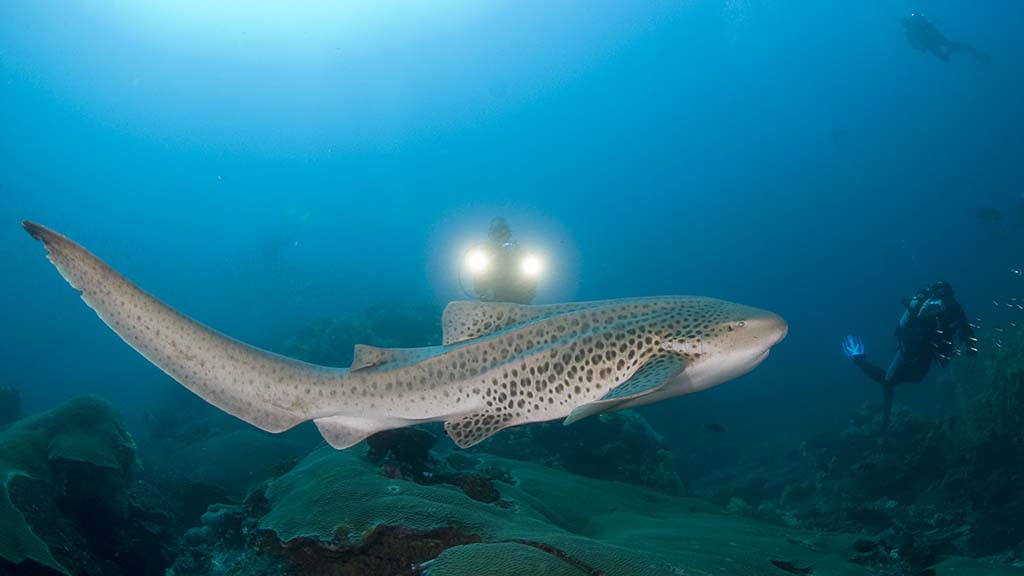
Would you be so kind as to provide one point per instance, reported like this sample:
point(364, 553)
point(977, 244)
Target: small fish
point(714, 427)
point(996, 303)
point(1015, 272)
point(975, 326)
point(998, 329)
point(972, 338)
point(937, 331)
point(998, 344)
point(972, 348)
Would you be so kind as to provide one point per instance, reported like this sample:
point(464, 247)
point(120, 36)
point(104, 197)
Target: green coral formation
point(501, 559)
point(39, 449)
point(990, 393)
point(550, 520)
point(922, 489)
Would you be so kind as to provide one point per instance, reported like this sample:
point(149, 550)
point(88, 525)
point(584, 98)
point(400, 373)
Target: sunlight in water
point(294, 28)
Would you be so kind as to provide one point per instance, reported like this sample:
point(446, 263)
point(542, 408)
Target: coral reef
point(921, 490)
point(990, 393)
point(556, 522)
point(405, 453)
point(197, 456)
point(67, 502)
point(910, 489)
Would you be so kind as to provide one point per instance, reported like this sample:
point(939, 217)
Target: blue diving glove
point(853, 347)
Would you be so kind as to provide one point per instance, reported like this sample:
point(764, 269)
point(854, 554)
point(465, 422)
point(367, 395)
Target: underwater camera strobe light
point(477, 261)
point(531, 266)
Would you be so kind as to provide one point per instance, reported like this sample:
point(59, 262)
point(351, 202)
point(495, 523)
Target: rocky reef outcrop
point(335, 513)
point(68, 500)
point(918, 491)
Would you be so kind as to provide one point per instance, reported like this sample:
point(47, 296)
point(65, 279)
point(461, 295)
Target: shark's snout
point(764, 330)
point(776, 327)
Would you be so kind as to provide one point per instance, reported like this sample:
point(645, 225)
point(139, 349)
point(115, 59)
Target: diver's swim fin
point(853, 347)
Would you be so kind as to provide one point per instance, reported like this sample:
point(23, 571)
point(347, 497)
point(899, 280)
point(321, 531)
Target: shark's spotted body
point(499, 365)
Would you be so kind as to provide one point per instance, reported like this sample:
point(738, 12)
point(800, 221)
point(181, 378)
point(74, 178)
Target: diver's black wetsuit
point(924, 36)
point(925, 333)
point(504, 281)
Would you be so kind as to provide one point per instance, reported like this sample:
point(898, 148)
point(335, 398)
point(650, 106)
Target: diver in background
point(924, 36)
point(925, 333)
point(501, 271)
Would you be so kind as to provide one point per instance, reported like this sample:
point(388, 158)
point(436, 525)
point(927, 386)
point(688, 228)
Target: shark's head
point(726, 341)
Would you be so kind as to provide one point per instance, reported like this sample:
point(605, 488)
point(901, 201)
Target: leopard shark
point(499, 364)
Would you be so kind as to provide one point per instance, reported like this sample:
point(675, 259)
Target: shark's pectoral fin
point(649, 378)
point(343, 432)
point(475, 427)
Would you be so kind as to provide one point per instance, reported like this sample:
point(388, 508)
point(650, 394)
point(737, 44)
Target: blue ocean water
point(260, 166)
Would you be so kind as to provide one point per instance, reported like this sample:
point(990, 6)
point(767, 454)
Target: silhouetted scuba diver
point(925, 333)
point(502, 272)
point(924, 36)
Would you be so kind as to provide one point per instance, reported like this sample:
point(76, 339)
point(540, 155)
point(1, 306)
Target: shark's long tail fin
point(264, 389)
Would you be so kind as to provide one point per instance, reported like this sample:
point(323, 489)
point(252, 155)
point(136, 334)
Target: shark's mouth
point(761, 357)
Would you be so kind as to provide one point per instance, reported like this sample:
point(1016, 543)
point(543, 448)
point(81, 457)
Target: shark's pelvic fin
point(649, 378)
point(255, 385)
point(346, 431)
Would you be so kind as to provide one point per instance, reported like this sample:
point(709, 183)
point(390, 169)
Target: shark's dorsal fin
point(649, 378)
point(465, 320)
point(364, 356)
